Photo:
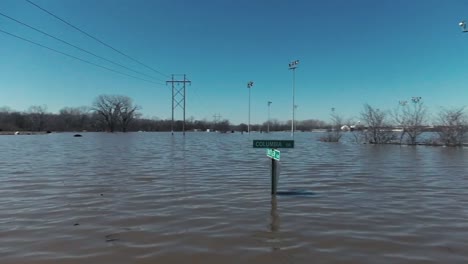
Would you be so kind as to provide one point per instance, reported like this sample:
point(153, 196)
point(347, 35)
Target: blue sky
point(350, 52)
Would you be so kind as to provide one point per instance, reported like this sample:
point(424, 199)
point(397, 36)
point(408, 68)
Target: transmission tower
point(216, 118)
point(178, 98)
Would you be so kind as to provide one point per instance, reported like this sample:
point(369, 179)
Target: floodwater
point(205, 198)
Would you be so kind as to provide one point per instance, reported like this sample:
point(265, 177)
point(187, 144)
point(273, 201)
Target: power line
point(89, 52)
point(76, 58)
point(95, 38)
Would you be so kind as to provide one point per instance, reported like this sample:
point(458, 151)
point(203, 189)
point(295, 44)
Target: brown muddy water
point(205, 198)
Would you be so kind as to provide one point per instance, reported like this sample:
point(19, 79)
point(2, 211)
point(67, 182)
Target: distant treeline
point(112, 113)
point(118, 113)
point(79, 119)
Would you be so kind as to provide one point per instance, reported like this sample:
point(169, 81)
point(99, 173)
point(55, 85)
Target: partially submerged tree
point(411, 118)
point(115, 111)
point(378, 130)
point(335, 133)
point(453, 125)
point(127, 112)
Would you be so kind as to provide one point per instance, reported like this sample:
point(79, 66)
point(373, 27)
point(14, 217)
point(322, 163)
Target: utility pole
point(268, 121)
point(178, 98)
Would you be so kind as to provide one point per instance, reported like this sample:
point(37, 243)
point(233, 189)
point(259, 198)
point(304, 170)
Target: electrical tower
point(178, 98)
point(216, 118)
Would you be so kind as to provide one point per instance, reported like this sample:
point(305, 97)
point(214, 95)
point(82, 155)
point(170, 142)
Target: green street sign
point(273, 144)
point(273, 153)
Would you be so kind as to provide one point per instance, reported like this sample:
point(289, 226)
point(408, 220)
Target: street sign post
point(273, 144)
point(273, 153)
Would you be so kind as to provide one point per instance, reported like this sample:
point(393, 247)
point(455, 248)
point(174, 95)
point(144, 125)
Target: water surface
point(205, 198)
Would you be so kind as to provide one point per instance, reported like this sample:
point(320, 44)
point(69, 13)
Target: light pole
point(268, 122)
point(249, 85)
point(295, 107)
point(463, 26)
point(292, 66)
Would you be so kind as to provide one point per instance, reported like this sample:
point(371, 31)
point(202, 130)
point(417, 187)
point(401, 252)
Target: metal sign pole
point(274, 176)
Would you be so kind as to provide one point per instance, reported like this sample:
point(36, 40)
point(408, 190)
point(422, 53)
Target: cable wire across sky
point(84, 50)
point(76, 58)
point(96, 39)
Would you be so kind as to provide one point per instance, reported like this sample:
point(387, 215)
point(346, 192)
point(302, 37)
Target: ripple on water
point(205, 198)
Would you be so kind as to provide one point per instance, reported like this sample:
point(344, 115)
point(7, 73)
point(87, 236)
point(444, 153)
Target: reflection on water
point(205, 198)
point(275, 221)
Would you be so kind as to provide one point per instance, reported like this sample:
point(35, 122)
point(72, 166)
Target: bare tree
point(453, 125)
point(37, 115)
point(335, 133)
point(411, 118)
point(127, 111)
point(115, 110)
point(243, 127)
point(105, 107)
point(74, 118)
point(378, 131)
point(6, 122)
point(223, 126)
